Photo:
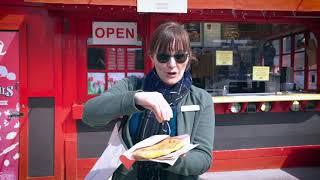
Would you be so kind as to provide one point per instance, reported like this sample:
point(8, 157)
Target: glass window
point(135, 59)
point(286, 44)
point(299, 79)
point(299, 61)
point(212, 34)
point(286, 61)
point(299, 42)
point(96, 58)
point(194, 31)
point(312, 80)
point(276, 45)
point(276, 61)
point(231, 50)
point(311, 51)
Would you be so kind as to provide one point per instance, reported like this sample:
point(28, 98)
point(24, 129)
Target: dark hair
point(163, 37)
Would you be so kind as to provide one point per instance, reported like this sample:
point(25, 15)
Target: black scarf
point(150, 126)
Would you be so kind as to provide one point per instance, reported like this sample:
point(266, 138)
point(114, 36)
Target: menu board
point(224, 58)
point(111, 59)
point(131, 55)
point(260, 73)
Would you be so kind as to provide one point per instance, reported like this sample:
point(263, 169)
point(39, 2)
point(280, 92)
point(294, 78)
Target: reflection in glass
point(276, 45)
point(96, 58)
point(312, 80)
point(299, 42)
point(299, 79)
point(286, 44)
point(276, 61)
point(286, 60)
point(311, 51)
point(299, 61)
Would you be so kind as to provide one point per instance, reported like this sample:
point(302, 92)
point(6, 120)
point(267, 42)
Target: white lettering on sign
point(2, 52)
point(114, 33)
point(6, 91)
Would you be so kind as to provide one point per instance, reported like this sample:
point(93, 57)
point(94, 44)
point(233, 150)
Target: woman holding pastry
point(163, 102)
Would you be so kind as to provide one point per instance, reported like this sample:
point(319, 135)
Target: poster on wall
point(9, 106)
point(212, 34)
point(113, 77)
point(194, 31)
point(224, 58)
point(260, 73)
point(96, 83)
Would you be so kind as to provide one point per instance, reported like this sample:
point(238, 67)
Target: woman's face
point(170, 72)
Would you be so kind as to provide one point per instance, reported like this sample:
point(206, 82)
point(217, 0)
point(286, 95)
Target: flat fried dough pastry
point(162, 148)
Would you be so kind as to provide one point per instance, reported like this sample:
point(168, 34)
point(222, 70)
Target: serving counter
point(277, 102)
point(266, 97)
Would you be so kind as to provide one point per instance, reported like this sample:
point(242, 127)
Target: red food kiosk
point(258, 60)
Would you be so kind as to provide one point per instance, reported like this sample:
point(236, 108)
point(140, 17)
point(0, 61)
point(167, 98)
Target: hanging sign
point(260, 73)
point(114, 33)
point(162, 6)
point(224, 58)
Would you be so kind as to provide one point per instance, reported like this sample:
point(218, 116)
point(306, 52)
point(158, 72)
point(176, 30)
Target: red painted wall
point(40, 34)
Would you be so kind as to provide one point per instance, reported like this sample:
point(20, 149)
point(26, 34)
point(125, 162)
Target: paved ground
point(305, 173)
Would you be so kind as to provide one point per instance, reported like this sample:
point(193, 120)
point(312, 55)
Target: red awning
point(257, 5)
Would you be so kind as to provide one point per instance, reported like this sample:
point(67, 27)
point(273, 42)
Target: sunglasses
point(180, 57)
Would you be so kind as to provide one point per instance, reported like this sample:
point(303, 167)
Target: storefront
point(260, 63)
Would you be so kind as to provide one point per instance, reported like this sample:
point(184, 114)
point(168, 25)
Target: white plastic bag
point(109, 160)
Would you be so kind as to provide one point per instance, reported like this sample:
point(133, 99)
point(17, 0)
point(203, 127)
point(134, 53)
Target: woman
point(164, 102)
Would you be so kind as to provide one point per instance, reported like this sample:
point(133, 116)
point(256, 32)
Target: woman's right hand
point(155, 102)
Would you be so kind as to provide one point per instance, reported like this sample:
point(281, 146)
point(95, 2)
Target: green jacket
point(119, 101)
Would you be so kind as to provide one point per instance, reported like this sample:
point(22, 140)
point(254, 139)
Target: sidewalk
point(303, 173)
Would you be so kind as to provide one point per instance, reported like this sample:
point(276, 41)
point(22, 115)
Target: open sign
point(114, 33)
